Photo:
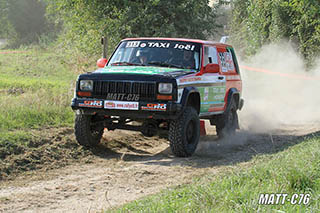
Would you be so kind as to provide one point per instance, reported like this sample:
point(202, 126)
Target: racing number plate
point(124, 105)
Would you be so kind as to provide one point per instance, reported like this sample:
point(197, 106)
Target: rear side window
point(227, 64)
point(210, 55)
point(234, 58)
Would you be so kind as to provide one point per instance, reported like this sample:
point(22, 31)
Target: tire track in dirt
point(128, 166)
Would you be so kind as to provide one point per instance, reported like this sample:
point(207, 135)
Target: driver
point(143, 57)
point(188, 60)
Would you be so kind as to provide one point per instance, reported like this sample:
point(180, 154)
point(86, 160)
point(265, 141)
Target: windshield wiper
point(164, 64)
point(124, 63)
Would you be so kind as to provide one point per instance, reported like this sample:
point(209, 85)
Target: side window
point(213, 56)
point(123, 54)
point(210, 55)
point(205, 56)
point(196, 59)
point(229, 61)
point(226, 59)
point(234, 58)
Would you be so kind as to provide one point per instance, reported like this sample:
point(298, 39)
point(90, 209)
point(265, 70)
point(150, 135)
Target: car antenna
point(104, 42)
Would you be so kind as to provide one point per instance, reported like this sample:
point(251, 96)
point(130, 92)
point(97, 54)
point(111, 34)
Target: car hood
point(144, 70)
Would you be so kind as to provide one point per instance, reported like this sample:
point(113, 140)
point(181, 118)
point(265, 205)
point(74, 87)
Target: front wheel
point(184, 133)
point(88, 132)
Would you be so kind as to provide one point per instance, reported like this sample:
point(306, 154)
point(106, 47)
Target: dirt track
point(128, 166)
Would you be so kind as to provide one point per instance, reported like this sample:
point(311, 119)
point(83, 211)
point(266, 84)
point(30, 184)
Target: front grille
point(146, 90)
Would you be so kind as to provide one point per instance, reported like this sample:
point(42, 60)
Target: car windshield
point(162, 53)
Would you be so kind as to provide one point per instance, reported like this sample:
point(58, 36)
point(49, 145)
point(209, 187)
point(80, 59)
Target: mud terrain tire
point(228, 123)
point(86, 134)
point(184, 133)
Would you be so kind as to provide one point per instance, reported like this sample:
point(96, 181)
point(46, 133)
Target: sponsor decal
point(123, 97)
point(153, 44)
point(220, 90)
point(109, 105)
point(184, 80)
point(184, 47)
point(206, 94)
point(126, 105)
point(133, 44)
point(212, 98)
point(91, 103)
point(226, 61)
point(135, 69)
point(218, 97)
point(155, 107)
point(156, 44)
point(223, 62)
point(233, 77)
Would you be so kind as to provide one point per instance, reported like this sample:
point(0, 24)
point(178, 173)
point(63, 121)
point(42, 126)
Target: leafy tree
point(5, 27)
point(305, 25)
point(23, 22)
point(238, 26)
point(257, 22)
point(27, 18)
point(86, 21)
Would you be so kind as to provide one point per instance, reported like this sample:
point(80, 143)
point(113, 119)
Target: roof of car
point(178, 39)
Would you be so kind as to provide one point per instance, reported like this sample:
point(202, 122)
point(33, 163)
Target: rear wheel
point(228, 123)
point(184, 133)
point(87, 130)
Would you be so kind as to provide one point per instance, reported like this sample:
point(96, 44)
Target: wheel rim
point(190, 131)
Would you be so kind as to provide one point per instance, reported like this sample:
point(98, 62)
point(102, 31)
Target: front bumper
point(131, 110)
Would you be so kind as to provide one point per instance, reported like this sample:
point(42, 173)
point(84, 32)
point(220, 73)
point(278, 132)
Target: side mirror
point(102, 62)
point(212, 68)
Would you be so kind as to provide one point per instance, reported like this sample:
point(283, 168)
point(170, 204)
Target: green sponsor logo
point(211, 97)
point(136, 70)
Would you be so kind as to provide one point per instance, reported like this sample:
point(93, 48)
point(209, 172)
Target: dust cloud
point(282, 93)
point(281, 97)
point(210, 145)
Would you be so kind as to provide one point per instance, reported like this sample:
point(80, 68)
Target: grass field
point(36, 88)
point(293, 171)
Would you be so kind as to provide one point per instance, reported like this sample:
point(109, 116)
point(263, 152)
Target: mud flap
point(202, 128)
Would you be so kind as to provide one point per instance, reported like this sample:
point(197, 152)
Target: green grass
point(295, 170)
point(32, 83)
point(36, 88)
point(36, 63)
point(35, 109)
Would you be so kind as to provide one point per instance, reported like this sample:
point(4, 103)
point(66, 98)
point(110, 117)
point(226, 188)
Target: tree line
point(87, 20)
point(24, 21)
point(258, 22)
point(80, 23)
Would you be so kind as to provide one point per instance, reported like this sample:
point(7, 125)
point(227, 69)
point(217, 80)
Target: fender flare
point(187, 91)
point(233, 92)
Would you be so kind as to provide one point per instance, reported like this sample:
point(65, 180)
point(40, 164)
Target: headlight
point(165, 88)
point(86, 85)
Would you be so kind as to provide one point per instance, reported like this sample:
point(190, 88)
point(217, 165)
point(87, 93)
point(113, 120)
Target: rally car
point(155, 85)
